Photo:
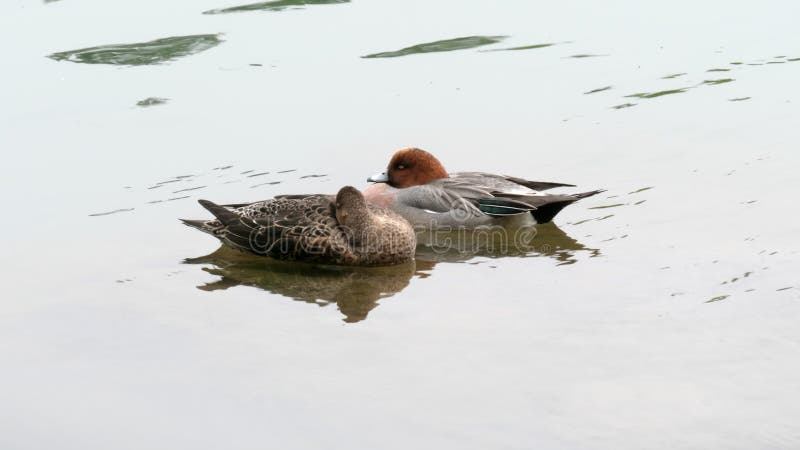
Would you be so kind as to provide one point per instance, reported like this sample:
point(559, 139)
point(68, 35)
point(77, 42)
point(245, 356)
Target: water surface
point(660, 314)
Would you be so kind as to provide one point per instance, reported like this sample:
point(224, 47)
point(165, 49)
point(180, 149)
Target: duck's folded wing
point(285, 228)
point(462, 196)
point(277, 197)
point(545, 207)
point(299, 232)
point(508, 196)
point(501, 207)
point(537, 185)
point(303, 196)
point(503, 183)
point(443, 195)
point(482, 196)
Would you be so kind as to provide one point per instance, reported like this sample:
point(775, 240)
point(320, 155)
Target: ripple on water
point(152, 101)
point(615, 205)
point(522, 47)
point(188, 189)
point(585, 55)
point(447, 45)
point(141, 53)
point(716, 82)
point(647, 95)
point(268, 183)
point(594, 91)
point(111, 212)
point(717, 298)
point(276, 5)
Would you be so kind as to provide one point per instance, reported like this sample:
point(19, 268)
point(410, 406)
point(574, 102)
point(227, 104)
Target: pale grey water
point(603, 337)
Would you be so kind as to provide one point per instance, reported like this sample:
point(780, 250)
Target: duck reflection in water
point(495, 242)
point(357, 290)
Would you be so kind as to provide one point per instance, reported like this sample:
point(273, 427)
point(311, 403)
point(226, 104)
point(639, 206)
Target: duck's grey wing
point(496, 196)
point(511, 195)
point(445, 203)
point(481, 192)
point(537, 185)
point(442, 195)
point(492, 182)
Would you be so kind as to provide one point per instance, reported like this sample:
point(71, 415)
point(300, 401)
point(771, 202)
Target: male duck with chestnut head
point(417, 186)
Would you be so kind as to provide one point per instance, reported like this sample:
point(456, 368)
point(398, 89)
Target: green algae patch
point(158, 51)
point(152, 101)
point(716, 82)
point(522, 47)
point(594, 91)
point(657, 94)
point(447, 45)
point(276, 5)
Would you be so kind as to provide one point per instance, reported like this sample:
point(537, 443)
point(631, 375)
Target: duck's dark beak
point(379, 178)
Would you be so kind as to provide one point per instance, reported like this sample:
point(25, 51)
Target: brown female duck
point(342, 230)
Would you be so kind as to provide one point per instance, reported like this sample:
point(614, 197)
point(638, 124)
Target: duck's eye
point(401, 167)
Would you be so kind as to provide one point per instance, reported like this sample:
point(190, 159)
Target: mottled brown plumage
point(344, 230)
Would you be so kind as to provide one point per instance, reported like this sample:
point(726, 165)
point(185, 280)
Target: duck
point(416, 185)
point(337, 230)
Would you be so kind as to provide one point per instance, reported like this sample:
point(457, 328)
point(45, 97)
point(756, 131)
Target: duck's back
point(305, 228)
point(505, 184)
point(287, 228)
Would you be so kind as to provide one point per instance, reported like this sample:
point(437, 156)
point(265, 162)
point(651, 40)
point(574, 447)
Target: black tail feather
point(547, 211)
point(537, 185)
point(199, 224)
point(222, 213)
point(553, 204)
point(235, 230)
point(545, 207)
